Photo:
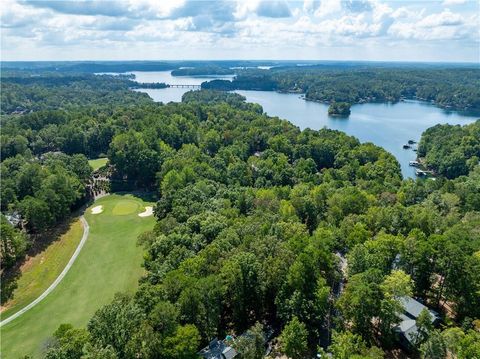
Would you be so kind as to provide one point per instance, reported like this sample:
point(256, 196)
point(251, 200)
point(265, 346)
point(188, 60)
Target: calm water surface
point(386, 125)
point(171, 94)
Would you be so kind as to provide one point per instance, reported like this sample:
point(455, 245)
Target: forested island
point(304, 242)
point(149, 85)
point(341, 109)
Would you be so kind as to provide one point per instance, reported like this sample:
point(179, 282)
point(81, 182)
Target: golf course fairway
point(109, 262)
point(40, 271)
point(98, 163)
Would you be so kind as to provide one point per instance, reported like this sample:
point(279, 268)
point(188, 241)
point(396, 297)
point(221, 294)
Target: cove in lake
point(384, 124)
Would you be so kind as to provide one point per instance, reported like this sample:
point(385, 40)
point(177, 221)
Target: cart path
point(86, 229)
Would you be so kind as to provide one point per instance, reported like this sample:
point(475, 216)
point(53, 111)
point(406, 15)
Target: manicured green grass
point(40, 271)
point(123, 208)
point(110, 262)
point(98, 163)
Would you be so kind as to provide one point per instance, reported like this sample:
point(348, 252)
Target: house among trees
point(15, 219)
point(217, 349)
point(407, 329)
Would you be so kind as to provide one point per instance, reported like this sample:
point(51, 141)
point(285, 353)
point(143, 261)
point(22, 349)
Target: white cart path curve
point(86, 229)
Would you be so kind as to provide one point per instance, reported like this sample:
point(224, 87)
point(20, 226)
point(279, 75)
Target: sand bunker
point(97, 209)
point(148, 212)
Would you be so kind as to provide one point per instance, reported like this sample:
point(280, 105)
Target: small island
point(340, 109)
point(149, 85)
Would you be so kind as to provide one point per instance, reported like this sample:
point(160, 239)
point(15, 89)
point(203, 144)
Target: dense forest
point(252, 218)
point(306, 239)
point(41, 192)
point(23, 92)
point(446, 87)
point(451, 150)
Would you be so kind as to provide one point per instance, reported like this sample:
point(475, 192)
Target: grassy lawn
point(40, 271)
point(98, 163)
point(110, 262)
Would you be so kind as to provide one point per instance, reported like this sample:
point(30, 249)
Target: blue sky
point(443, 30)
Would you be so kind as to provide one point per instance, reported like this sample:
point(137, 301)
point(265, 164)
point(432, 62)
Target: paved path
point(86, 229)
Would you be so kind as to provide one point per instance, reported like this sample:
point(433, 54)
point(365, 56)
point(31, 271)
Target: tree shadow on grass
point(39, 242)
point(9, 283)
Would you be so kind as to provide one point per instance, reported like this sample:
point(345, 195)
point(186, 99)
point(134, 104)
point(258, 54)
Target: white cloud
point(453, 2)
point(264, 8)
point(242, 29)
point(380, 11)
point(328, 7)
point(274, 9)
point(310, 5)
point(405, 13)
point(13, 14)
point(440, 26)
point(160, 9)
point(445, 18)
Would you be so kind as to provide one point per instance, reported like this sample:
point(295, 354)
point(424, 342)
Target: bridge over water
point(184, 86)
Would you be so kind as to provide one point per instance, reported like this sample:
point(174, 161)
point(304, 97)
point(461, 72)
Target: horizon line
point(255, 60)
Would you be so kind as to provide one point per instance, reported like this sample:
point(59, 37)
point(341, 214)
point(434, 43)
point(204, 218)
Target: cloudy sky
point(444, 30)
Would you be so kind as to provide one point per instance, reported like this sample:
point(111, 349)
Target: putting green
point(109, 262)
point(125, 207)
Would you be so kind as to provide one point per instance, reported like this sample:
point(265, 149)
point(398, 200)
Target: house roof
point(413, 308)
point(217, 349)
point(411, 333)
point(408, 324)
point(408, 327)
point(14, 219)
point(229, 353)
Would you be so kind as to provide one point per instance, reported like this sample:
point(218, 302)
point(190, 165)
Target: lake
point(386, 125)
point(171, 94)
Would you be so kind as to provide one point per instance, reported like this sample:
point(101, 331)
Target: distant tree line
point(202, 70)
point(125, 66)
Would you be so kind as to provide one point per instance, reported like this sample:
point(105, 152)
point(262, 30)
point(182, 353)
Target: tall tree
point(293, 339)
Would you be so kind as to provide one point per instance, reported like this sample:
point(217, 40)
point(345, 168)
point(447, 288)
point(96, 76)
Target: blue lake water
point(386, 125)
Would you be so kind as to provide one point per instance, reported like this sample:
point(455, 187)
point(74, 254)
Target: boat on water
point(421, 173)
point(411, 142)
point(414, 163)
point(406, 146)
